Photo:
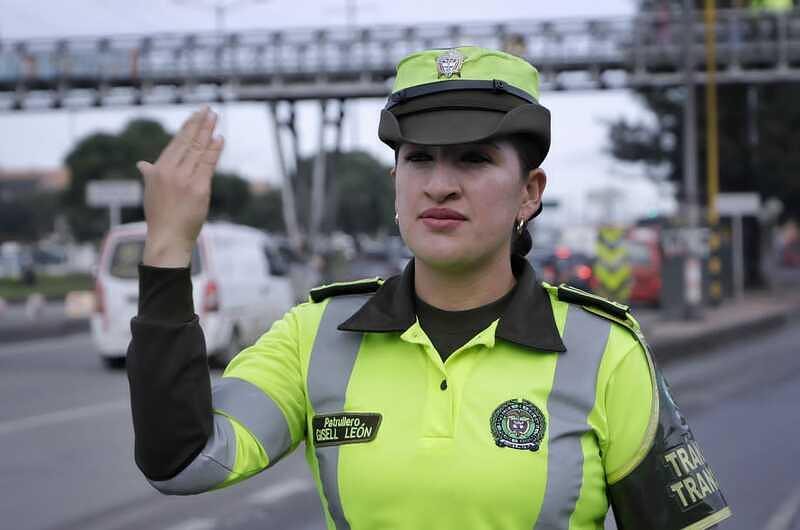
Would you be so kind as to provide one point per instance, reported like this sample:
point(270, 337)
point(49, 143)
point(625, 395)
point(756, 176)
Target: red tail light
point(549, 274)
point(584, 272)
point(563, 253)
point(211, 297)
point(99, 303)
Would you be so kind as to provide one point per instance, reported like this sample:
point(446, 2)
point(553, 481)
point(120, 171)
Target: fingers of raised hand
point(145, 168)
point(199, 143)
point(181, 142)
point(210, 156)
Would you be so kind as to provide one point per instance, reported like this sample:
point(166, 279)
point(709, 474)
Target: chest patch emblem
point(345, 428)
point(518, 424)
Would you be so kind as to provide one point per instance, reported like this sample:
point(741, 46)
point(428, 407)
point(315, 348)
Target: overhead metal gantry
point(345, 63)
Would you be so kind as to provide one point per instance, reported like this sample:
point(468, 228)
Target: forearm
point(167, 252)
point(168, 375)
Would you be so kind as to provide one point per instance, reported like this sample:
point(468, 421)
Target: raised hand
point(177, 191)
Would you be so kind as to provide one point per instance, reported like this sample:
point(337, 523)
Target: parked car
point(645, 259)
point(790, 254)
point(564, 265)
point(238, 290)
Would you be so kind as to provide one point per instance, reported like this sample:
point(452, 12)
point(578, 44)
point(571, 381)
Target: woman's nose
point(443, 182)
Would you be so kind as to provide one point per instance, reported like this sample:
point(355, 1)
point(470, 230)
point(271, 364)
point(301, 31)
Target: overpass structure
point(648, 50)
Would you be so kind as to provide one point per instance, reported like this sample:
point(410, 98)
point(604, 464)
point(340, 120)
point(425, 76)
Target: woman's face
point(457, 204)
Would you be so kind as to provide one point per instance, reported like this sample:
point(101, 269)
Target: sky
point(578, 161)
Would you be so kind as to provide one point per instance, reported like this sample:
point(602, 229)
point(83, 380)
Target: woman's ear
point(534, 188)
point(393, 172)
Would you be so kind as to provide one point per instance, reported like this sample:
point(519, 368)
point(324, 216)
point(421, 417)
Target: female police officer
point(460, 394)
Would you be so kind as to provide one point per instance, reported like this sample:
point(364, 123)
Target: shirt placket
point(438, 416)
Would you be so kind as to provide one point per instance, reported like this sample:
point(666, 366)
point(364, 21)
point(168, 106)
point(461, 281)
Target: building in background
point(19, 183)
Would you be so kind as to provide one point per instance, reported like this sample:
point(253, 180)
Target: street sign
point(612, 267)
point(736, 206)
point(738, 203)
point(685, 241)
point(114, 194)
point(101, 193)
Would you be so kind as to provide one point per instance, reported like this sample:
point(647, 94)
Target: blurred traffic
point(98, 283)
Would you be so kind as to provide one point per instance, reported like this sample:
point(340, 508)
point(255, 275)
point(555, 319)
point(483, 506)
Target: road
point(67, 444)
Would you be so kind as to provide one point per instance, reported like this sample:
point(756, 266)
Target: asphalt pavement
point(67, 441)
point(21, 321)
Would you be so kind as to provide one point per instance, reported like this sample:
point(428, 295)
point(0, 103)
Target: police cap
point(463, 95)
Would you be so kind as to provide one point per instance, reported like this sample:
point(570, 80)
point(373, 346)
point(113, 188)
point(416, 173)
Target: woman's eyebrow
point(485, 143)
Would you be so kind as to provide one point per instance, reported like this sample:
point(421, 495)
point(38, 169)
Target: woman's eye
point(418, 157)
point(476, 158)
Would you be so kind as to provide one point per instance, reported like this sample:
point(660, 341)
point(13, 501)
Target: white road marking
point(281, 491)
point(61, 416)
point(786, 513)
point(195, 524)
point(272, 494)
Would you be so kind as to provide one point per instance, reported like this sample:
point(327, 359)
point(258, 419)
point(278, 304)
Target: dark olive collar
point(527, 320)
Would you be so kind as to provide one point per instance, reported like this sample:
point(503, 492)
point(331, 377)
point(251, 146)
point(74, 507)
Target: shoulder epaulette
point(369, 285)
point(603, 307)
point(573, 295)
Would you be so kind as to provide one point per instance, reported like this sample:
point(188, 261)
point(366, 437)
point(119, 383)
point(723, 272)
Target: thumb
point(145, 168)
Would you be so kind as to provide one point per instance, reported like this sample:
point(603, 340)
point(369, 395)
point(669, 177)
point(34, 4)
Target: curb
point(665, 349)
point(28, 332)
point(671, 349)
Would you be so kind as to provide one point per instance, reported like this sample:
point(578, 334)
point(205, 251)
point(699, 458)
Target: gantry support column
point(287, 188)
point(318, 201)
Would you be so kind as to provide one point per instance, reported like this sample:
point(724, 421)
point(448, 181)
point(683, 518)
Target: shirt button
point(443, 386)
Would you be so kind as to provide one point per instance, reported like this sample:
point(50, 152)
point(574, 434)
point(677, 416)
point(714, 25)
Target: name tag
point(345, 428)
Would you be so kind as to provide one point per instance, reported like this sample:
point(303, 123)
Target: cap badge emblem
point(449, 63)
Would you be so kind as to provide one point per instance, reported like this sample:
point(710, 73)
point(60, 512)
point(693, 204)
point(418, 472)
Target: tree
point(230, 197)
point(29, 217)
point(103, 156)
point(365, 194)
point(359, 194)
point(757, 127)
point(265, 211)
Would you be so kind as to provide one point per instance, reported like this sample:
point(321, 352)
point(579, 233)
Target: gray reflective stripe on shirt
point(210, 468)
point(256, 411)
point(332, 359)
point(570, 401)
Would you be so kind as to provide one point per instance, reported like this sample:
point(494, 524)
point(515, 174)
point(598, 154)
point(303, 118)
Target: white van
point(240, 287)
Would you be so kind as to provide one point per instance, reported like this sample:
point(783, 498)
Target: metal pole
point(287, 193)
point(714, 266)
point(692, 266)
point(317, 206)
point(738, 256)
point(351, 8)
point(690, 120)
point(219, 18)
point(333, 186)
point(712, 133)
point(114, 215)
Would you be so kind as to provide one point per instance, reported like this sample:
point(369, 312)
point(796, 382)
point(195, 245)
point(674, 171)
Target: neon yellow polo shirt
point(533, 423)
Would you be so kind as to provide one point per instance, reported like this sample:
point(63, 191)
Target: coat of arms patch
point(519, 424)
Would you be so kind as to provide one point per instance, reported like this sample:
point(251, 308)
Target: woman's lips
point(442, 218)
point(441, 224)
